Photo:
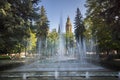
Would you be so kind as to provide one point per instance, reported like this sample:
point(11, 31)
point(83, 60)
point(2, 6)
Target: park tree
point(98, 27)
point(111, 15)
point(53, 37)
point(79, 27)
point(42, 24)
point(104, 15)
point(52, 40)
point(15, 17)
point(42, 28)
point(69, 40)
point(31, 42)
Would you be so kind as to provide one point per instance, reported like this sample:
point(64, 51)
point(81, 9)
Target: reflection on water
point(64, 78)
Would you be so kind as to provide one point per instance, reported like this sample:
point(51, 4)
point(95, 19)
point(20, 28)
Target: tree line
point(103, 19)
point(23, 23)
point(16, 27)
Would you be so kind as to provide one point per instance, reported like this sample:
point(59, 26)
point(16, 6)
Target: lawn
point(5, 57)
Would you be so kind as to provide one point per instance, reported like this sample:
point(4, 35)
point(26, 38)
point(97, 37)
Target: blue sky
point(54, 9)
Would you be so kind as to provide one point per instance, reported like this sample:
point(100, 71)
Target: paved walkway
point(9, 64)
point(111, 64)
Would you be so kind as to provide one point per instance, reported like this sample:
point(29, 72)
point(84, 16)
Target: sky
point(57, 8)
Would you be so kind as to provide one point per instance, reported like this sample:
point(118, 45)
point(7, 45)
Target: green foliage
point(42, 24)
point(5, 57)
point(31, 47)
point(69, 39)
point(88, 32)
point(15, 16)
point(52, 42)
point(53, 36)
point(79, 27)
point(104, 16)
point(42, 30)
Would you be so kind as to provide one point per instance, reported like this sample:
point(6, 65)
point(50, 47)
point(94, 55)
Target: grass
point(5, 57)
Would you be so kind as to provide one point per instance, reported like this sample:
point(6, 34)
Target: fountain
point(61, 65)
point(24, 76)
point(87, 75)
point(56, 74)
point(119, 75)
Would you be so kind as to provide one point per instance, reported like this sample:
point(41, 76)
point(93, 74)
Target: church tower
point(68, 26)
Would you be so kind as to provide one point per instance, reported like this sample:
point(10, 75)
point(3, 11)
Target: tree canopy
point(15, 18)
point(42, 24)
point(79, 27)
point(105, 18)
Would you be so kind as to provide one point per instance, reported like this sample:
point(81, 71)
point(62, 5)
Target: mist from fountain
point(58, 53)
point(81, 46)
point(59, 58)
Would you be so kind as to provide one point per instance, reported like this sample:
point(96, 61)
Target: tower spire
point(68, 25)
point(59, 28)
